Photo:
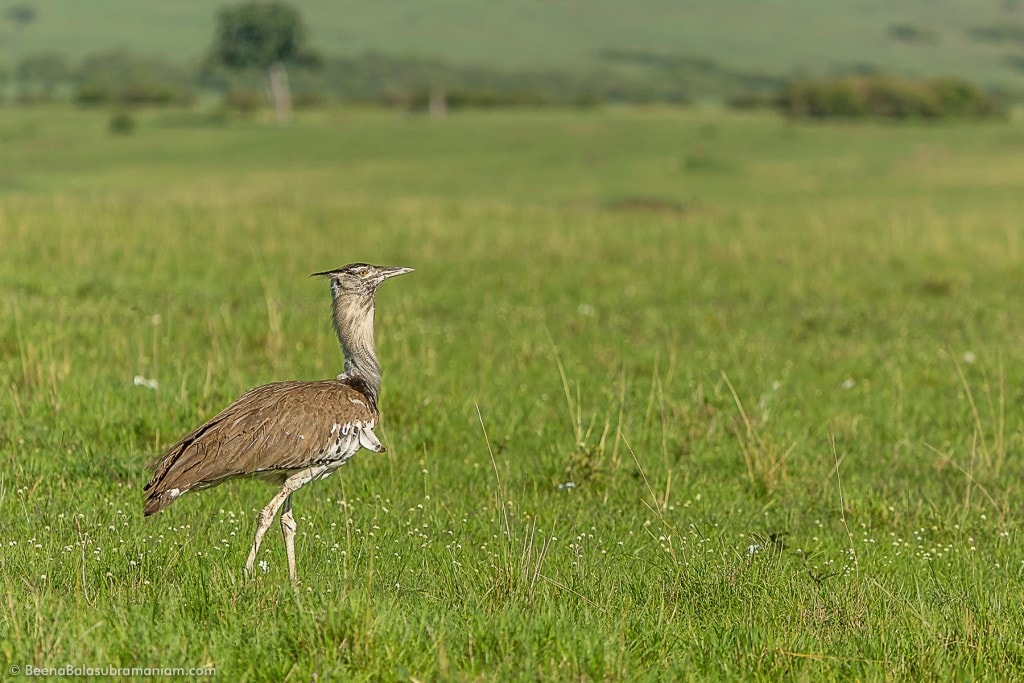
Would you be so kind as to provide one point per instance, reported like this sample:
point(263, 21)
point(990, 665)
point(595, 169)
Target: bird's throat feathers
point(353, 323)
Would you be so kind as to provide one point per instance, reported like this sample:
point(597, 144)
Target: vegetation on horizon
point(889, 98)
point(622, 70)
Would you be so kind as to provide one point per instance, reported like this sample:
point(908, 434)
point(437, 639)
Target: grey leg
point(288, 530)
point(267, 514)
point(263, 522)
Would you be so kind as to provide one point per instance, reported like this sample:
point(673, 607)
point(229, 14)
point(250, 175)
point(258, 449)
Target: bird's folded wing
point(285, 425)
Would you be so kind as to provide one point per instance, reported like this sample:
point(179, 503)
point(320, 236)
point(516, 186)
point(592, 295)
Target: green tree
point(18, 17)
point(262, 35)
point(21, 15)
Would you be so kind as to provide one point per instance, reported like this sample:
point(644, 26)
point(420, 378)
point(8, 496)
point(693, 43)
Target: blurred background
point(851, 58)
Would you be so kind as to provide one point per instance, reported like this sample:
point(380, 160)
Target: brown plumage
point(289, 433)
point(271, 431)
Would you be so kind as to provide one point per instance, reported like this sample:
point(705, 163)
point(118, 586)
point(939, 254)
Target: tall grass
point(763, 427)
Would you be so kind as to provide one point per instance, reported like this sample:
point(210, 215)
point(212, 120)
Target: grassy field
point(780, 366)
point(779, 38)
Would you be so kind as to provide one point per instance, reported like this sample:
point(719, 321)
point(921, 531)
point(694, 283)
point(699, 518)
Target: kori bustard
point(289, 433)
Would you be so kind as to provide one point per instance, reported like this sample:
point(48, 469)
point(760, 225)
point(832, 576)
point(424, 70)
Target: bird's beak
point(392, 271)
point(323, 273)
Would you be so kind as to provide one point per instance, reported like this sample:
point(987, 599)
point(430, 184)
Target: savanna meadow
point(668, 395)
point(678, 390)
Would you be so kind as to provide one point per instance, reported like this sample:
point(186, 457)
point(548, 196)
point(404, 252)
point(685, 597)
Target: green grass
point(781, 364)
point(780, 37)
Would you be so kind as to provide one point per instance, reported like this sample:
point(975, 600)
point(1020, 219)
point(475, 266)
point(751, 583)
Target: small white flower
point(566, 486)
point(969, 357)
point(587, 310)
point(262, 564)
point(141, 381)
point(753, 549)
point(849, 383)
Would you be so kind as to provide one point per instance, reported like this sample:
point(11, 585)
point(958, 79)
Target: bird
point(289, 433)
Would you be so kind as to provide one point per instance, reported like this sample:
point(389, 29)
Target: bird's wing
point(280, 426)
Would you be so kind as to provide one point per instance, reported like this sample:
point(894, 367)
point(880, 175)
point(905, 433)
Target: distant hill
point(982, 40)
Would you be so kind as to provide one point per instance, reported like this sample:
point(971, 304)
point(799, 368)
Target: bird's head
point(360, 278)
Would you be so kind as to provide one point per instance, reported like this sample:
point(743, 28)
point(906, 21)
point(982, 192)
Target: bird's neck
point(353, 322)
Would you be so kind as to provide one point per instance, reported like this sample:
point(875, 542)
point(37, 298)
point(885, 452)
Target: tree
point(18, 16)
point(262, 35)
point(21, 15)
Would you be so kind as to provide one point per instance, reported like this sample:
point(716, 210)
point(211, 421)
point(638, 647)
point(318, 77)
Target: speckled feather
point(270, 431)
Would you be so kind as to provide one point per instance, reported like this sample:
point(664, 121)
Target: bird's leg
point(263, 522)
point(267, 514)
point(288, 530)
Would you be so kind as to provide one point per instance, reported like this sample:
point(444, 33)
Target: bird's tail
point(158, 494)
point(157, 500)
point(154, 504)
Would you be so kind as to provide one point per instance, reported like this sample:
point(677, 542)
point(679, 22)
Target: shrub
point(308, 99)
point(128, 79)
point(244, 100)
point(477, 98)
point(93, 94)
point(957, 98)
point(909, 33)
point(752, 100)
point(888, 97)
point(133, 94)
point(893, 98)
point(121, 123)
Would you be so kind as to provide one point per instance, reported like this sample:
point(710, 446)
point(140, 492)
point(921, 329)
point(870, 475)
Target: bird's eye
point(363, 272)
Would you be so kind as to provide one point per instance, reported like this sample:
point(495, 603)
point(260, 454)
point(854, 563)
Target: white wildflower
point(141, 381)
